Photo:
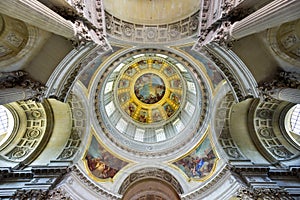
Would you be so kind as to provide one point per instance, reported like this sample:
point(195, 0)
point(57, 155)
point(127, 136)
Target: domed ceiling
point(151, 11)
point(151, 107)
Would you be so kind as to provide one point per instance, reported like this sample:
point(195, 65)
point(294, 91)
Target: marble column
point(37, 14)
point(286, 94)
point(273, 14)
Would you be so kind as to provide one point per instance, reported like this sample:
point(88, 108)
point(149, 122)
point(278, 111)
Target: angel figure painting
point(200, 162)
point(101, 163)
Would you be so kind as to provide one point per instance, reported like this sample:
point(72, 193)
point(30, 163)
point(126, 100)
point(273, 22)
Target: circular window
point(6, 124)
point(295, 119)
point(292, 124)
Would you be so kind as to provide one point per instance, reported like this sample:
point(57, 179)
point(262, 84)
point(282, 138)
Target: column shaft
point(37, 14)
point(287, 94)
point(274, 14)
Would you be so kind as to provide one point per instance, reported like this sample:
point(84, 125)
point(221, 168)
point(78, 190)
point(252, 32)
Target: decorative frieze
point(151, 33)
point(58, 194)
point(263, 193)
point(30, 184)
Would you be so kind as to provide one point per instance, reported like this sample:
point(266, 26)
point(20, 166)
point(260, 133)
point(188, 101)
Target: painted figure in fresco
point(176, 83)
point(101, 163)
point(131, 109)
point(130, 71)
point(149, 88)
point(169, 110)
point(215, 76)
point(143, 116)
point(174, 97)
point(156, 116)
point(123, 83)
point(157, 64)
point(199, 163)
point(142, 64)
point(124, 97)
point(169, 71)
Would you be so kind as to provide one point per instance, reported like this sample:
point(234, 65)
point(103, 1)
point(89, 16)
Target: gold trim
point(140, 70)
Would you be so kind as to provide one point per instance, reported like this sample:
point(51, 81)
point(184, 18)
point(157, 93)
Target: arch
point(152, 176)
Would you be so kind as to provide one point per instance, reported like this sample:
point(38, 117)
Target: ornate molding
point(59, 193)
point(151, 33)
point(21, 80)
point(230, 76)
point(218, 32)
point(88, 28)
point(30, 194)
point(263, 193)
point(30, 184)
point(90, 184)
point(282, 80)
point(216, 27)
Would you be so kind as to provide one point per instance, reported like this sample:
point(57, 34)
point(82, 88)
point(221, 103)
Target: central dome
point(149, 89)
point(150, 102)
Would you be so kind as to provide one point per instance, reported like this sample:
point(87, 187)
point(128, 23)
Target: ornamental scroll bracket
point(282, 80)
point(21, 81)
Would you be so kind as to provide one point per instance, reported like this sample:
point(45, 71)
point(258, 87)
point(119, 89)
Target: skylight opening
point(3, 120)
point(295, 120)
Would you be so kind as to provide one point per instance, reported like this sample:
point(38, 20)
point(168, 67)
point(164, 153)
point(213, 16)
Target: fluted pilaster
point(37, 14)
point(286, 94)
point(273, 14)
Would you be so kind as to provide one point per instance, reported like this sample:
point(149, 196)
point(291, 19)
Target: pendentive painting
point(200, 162)
point(101, 163)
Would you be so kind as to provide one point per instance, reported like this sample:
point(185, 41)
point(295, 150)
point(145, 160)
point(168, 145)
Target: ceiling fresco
point(149, 89)
point(101, 163)
point(200, 163)
point(150, 105)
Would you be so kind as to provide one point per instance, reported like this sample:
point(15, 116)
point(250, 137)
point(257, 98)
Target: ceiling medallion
point(150, 90)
